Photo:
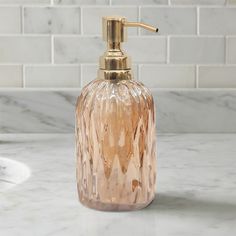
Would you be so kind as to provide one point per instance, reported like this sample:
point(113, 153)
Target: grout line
point(189, 36)
point(156, 63)
point(58, 6)
point(194, 5)
point(169, 5)
point(168, 50)
point(139, 20)
point(26, 34)
point(153, 89)
point(24, 5)
point(196, 76)
point(198, 21)
point(49, 64)
point(134, 5)
point(52, 49)
point(99, 36)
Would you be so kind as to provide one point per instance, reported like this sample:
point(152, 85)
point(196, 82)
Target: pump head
point(115, 64)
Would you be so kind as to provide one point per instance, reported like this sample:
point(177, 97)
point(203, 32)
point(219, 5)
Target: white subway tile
point(146, 49)
point(10, 20)
point(198, 2)
point(217, 77)
point(31, 2)
point(78, 49)
point(48, 20)
point(197, 50)
point(168, 76)
point(92, 17)
point(217, 21)
point(81, 2)
point(89, 72)
point(170, 20)
point(139, 2)
point(52, 76)
point(11, 76)
point(21, 49)
point(231, 50)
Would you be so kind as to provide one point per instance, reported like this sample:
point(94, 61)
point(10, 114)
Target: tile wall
point(56, 44)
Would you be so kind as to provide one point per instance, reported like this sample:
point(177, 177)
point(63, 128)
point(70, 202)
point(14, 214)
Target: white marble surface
point(196, 192)
point(53, 111)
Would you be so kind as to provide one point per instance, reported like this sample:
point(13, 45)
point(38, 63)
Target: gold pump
point(115, 64)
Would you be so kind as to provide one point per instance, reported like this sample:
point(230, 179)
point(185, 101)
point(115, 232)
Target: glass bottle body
point(115, 145)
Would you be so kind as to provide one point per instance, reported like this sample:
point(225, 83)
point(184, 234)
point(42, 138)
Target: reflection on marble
point(177, 111)
point(12, 173)
point(196, 190)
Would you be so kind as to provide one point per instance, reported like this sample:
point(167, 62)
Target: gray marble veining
point(35, 111)
point(196, 190)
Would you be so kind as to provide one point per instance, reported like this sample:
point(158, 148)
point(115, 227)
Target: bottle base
point(100, 206)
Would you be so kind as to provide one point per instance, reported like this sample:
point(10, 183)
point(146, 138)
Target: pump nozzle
point(139, 24)
point(114, 28)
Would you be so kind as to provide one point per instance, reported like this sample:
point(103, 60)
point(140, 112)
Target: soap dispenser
point(115, 131)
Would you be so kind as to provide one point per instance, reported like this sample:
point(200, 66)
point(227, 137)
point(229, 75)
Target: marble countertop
point(196, 190)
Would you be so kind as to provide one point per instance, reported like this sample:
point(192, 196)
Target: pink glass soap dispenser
point(115, 131)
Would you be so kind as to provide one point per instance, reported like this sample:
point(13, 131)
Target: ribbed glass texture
point(115, 144)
